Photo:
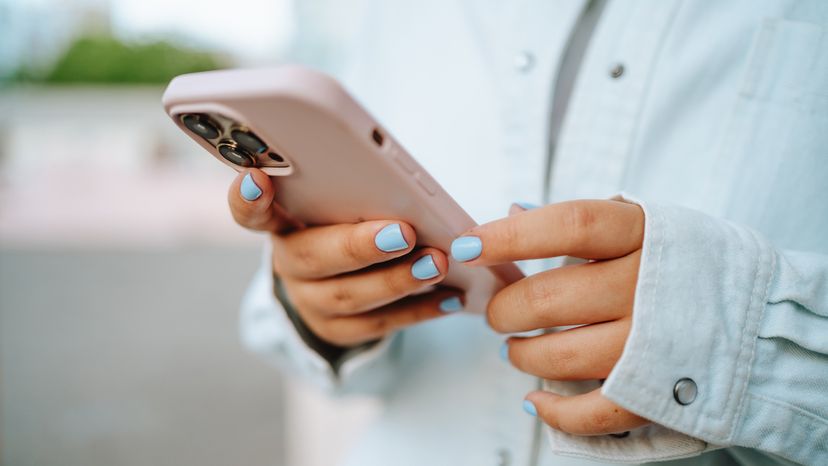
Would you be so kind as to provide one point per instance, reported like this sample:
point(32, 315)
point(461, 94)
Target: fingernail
point(529, 407)
point(526, 205)
point(452, 304)
point(466, 248)
point(248, 188)
point(424, 268)
point(504, 351)
point(390, 239)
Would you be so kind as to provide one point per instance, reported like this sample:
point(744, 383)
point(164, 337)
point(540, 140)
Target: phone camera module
point(276, 157)
point(201, 124)
point(249, 141)
point(236, 155)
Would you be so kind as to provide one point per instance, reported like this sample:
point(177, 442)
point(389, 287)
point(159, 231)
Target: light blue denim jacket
point(717, 126)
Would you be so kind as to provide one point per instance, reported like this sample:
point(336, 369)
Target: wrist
point(334, 354)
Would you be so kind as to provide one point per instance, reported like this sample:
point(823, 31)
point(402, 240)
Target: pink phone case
point(343, 167)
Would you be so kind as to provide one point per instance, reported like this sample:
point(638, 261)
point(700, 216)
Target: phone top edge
point(286, 80)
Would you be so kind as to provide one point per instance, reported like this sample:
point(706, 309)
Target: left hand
point(597, 296)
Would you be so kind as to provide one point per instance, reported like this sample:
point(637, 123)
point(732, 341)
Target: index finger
point(589, 229)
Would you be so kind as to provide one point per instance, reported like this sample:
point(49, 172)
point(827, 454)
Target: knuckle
point(508, 235)
point(578, 219)
point(417, 314)
point(385, 323)
point(538, 294)
point(350, 246)
point(307, 260)
point(545, 359)
point(381, 325)
point(395, 281)
point(561, 362)
point(598, 421)
point(341, 299)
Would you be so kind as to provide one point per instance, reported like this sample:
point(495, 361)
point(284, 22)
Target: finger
point(351, 330)
point(519, 207)
point(585, 229)
point(251, 202)
point(320, 252)
point(369, 289)
point(587, 414)
point(572, 295)
point(581, 353)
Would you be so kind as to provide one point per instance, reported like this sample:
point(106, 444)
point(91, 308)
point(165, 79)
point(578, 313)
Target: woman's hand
point(350, 283)
point(596, 296)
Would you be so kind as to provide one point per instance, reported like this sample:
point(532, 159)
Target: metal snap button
point(617, 71)
point(685, 391)
point(524, 62)
point(504, 457)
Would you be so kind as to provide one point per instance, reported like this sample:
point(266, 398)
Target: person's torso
point(717, 106)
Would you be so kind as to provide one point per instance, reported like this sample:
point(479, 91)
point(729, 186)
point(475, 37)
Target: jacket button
point(504, 457)
point(524, 62)
point(685, 391)
point(617, 71)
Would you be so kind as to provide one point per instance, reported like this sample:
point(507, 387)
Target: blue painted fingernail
point(452, 304)
point(424, 268)
point(466, 248)
point(529, 407)
point(527, 205)
point(504, 351)
point(248, 188)
point(390, 239)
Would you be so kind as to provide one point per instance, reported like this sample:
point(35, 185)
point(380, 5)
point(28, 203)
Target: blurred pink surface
point(98, 167)
point(97, 209)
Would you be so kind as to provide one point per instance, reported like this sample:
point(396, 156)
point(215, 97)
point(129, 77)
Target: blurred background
point(121, 270)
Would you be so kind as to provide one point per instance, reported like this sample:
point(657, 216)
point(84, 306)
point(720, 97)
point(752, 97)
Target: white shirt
point(717, 123)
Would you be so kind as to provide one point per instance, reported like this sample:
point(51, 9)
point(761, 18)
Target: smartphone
point(330, 160)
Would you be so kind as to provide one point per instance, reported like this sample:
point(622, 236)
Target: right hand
point(345, 288)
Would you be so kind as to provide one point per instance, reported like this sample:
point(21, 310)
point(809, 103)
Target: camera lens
point(249, 141)
point(201, 125)
point(236, 155)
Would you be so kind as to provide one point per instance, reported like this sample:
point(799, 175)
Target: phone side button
point(426, 183)
point(404, 161)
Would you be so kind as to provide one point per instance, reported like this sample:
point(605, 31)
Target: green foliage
point(106, 60)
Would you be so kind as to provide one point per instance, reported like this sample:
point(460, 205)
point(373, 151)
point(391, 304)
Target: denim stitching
point(760, 311)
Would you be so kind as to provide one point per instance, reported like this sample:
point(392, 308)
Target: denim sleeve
point(266, 329)
point(718, 309)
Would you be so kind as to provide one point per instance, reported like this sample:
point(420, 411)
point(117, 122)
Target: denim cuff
point(702, 289)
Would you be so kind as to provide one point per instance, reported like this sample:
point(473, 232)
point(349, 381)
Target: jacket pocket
point(774, 152)
point(788, 65)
